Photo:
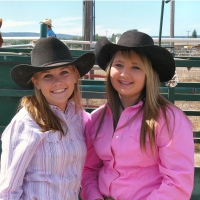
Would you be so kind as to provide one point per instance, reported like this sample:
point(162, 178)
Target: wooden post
point(87, 22)
point(88, 18)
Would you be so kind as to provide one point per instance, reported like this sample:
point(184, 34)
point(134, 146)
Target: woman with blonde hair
point(139, 145)
point(43, 148)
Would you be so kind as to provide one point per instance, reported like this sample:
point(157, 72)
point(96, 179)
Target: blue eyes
point(118, 65)
point(133, 67)
point(64, 72)
point(48, 76)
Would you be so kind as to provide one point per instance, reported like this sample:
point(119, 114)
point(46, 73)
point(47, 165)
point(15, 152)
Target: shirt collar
point(139, 104)
point(69, 112)
point(70, 104)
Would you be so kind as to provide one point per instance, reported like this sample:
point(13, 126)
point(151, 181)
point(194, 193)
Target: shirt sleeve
point(176, 155)
point(89, 184)
point(19, 143)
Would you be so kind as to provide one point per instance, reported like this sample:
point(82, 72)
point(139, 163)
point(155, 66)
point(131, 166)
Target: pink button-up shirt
point(43, 166)
point(116, 167)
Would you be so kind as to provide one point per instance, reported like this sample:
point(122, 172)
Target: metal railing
point(175, 40)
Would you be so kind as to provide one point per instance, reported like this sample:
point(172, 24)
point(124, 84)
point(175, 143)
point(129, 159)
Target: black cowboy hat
point(49, 53)
point(161, 59)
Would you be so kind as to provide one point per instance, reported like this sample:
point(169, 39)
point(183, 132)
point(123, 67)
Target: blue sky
point(111, 16)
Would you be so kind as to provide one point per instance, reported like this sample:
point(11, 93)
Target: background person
point(50, 31)
point(43, 148)
point(140, 146)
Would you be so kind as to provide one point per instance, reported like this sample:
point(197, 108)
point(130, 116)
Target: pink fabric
point(116, 167)
point(42, 166)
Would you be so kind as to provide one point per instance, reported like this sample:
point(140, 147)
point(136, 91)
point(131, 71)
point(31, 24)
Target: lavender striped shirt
point(42, 166)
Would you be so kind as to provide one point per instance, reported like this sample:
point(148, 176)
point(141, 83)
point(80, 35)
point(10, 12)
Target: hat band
point(52, 64)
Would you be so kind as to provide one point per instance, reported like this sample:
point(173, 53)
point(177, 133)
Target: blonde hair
point(38, 107)
point(153, 101)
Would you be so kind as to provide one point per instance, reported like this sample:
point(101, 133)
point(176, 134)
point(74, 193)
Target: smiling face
point(127, 76)
point(57, 85)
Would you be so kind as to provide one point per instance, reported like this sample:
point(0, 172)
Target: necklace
point(121, 104)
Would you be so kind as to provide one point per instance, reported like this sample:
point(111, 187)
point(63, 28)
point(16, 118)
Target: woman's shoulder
point(98, 111)
point(78, 114)
point(175, 117)
point(22, 116)
point(24, 121)
point(172, 111)
point(22, 126)
point(85, 116)
point(97, 114)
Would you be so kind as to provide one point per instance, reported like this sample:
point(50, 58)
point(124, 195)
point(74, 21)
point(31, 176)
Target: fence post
point(43, 30)
point(171, 94)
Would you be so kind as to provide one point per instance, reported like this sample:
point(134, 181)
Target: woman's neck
point(128, 101)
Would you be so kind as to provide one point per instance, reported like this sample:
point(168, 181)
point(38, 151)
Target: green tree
point(17, 42)
point(76, 46)
point(194, 34)
point(113, 37)
point(97, 37)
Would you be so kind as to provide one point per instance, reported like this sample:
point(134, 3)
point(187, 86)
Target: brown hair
point(42, 114)
point(153, 101)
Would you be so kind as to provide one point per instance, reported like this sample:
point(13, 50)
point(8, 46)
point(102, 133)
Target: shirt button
point(125, 116)
point(72, 139)
point(117, 136)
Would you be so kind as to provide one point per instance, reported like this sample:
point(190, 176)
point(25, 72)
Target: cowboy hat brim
point(21, 74)
point(161, 59)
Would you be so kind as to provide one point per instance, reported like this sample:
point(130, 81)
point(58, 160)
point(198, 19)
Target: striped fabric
point(42, 166)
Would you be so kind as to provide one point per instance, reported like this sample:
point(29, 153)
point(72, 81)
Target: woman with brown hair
point(140, 146)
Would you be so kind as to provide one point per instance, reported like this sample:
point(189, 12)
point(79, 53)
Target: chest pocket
point(50, 152)
point(135, 134)
point(142, 158)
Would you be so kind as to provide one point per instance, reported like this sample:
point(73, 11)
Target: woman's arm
point(19, 143)
point(89, 184)
point(176, 159)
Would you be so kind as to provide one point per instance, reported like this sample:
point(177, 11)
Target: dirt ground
point(184, 75)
